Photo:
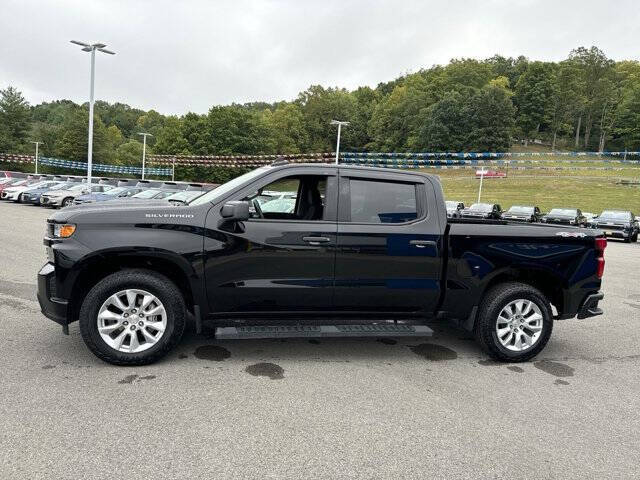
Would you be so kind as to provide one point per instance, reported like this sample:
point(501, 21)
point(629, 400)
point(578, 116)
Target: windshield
point(567, 212)
point(613, 215)
point(222, 190)
point(146, 194)
point(451, 205)
point(79, 186)
point(481, 207)
point(525, 210)
point(60, 186)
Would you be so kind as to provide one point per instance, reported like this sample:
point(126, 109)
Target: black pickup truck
point(341, 251)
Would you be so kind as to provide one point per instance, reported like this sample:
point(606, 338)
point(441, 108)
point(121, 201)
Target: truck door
point(282, 258)
point(389, 242)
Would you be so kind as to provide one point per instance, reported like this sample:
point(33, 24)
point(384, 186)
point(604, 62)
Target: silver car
point(64, 198)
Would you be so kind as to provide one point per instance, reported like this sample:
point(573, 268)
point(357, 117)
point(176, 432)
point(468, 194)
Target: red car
point(490, 174)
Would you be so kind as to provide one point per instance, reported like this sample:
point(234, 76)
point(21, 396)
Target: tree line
point(585, 102)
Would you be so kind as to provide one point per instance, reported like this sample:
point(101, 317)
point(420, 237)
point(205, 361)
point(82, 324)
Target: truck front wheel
point(132, 317)
point(514, 322)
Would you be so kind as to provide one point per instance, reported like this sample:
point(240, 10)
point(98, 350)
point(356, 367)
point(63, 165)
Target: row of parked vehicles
point(621, 224)
point(63, 191)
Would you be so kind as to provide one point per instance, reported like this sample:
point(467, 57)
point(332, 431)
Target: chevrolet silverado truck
point(363, 252)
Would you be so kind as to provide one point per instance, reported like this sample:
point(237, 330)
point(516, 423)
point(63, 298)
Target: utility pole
point(482, 172)
point(144, 149)
point(92, 49)
point(37, 143)
point(339, 123)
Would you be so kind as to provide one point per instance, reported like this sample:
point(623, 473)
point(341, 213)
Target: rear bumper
point(590, 307)
point(51, 306)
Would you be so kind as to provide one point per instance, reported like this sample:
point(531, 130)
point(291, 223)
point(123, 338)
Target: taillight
point(601, 245)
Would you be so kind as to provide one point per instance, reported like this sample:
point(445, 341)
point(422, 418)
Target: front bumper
point(50, 201)
point(614, 233)
point(590, 307)
point(51, 306)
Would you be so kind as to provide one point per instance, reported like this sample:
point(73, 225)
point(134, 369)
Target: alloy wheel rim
point(132, 321)
point(519, 325)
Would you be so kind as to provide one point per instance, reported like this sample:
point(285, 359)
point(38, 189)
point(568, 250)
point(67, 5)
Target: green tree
point(287, 133)
point(14, 118)
point(491, 117)
point(319, 106)
point(170, 140)
point(595, 68)
point(130, 153)
point(532, 98)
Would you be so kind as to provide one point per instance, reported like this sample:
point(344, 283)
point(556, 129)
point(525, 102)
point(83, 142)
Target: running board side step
point(310, 331)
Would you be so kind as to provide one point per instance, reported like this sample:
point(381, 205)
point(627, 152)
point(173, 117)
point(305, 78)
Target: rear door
point(389, 242)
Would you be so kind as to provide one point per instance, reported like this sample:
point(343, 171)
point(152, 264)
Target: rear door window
point(373, 201)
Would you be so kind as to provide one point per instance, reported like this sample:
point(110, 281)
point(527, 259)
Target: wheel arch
point(549, 284)
point(101, 264)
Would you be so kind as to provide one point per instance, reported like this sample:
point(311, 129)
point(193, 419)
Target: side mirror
point(236, 211)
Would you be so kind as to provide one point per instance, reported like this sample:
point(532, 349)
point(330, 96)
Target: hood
point(119, 207)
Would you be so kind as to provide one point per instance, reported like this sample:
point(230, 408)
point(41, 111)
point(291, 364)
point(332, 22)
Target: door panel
point(385, 266)
point(273, 265)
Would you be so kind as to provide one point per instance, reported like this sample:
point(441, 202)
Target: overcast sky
point(178, 56)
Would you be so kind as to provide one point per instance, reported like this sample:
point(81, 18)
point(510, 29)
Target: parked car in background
point(522, 213)
point(184, 197)
point(486, 211)
point(13, 182)
point(14, 193)
point(565, 216)
point(65, 198)
point(618, 224)
point(454, 208)
point(153, 194)
point(112, 194)
point(589, 218)
point(33, 195)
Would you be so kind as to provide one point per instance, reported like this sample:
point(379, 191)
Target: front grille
point(50, 230)
point(44, 199)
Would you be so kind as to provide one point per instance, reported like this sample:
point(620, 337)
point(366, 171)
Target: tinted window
point(382, 202)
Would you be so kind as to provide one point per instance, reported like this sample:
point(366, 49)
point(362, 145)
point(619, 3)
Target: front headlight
point(63, 230)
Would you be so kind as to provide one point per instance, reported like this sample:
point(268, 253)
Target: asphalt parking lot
point(334, 408)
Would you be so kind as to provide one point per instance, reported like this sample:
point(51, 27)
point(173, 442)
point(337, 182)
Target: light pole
point(37, 143)
point(339, 123)
point(144, 149)
point(482, 172)
point(91, 48)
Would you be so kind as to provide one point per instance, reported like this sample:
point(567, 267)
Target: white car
point(15, 193)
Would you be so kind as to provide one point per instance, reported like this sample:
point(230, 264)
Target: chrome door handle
point(316, 240)
point(423, 243)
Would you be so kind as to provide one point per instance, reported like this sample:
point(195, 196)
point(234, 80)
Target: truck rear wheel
point(514, 322)
point(132, 317)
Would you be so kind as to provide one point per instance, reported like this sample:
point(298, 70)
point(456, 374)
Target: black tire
point(493, 303)
point(156, 284)
point(67, 202)
point(627, 240)
point(634, 239)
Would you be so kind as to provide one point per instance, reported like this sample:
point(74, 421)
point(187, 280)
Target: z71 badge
point(571, 234)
